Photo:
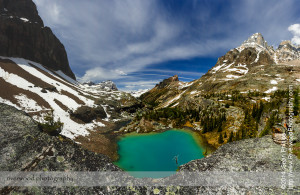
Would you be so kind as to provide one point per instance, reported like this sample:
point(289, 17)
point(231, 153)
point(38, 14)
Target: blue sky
point(137, 43)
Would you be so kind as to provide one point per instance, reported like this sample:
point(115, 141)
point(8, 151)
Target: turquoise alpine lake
point(158, 154)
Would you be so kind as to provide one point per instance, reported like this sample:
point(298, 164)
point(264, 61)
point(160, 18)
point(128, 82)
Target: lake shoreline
point(192, 141)
point(202, 141)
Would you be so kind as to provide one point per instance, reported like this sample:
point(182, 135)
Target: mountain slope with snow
point(253, 66)
point(31, 87)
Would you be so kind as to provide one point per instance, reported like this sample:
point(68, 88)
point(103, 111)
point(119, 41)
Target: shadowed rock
point(23, 34)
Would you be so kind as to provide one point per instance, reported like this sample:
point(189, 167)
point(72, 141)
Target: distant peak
point(256, 38)
point(288, 45)
point(285, 42)
point(174, 78)
point(258, 42)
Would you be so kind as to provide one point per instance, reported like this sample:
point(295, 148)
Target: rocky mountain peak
point(256, 38)
point(103, 86)
point(287, 52)
point(258, 42)
point(89, 83)
point(167, 81)
point(287, 44)
point(24, 9)
point(23, 35)
point(237, 62)
point(173, 78)
point(109, 85)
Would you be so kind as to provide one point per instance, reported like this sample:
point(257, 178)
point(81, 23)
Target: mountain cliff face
point(23, 34)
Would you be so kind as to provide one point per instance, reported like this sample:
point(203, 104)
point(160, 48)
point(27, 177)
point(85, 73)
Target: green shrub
point(270, 123)
point(50, 126)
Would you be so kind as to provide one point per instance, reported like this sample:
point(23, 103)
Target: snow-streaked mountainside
point(138, 93)
point(253, 66)
point(32, 87)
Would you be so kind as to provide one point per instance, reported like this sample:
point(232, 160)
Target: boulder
point(87, 114)
point(100, 112)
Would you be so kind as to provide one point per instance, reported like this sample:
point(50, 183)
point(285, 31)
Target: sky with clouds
point(137, 43)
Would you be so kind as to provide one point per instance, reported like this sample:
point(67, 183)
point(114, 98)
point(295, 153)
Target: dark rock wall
point(30, 39)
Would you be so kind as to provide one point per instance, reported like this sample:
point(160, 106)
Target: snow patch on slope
point(138, 93)
point(24, 19)
point(29, 105)
point(174, 99)
point(273, 82)
point(24, 64)
point(184, 85)
point(271, 90)
point(4, 101)
point(232, 76)
point(240, 68)
point(67, 78)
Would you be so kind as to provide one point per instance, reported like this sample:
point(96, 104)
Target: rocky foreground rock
point(25, 148)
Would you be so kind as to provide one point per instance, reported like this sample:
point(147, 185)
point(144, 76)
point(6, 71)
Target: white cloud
point(295, 30)
point(115, 38)
point(99, 73)
point(139, 85)
point(107, 37)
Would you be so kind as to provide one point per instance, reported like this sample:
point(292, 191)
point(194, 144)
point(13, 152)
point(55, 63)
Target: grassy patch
point(296, 149)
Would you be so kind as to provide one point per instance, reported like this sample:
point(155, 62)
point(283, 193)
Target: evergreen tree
point(51, 126)
point(220, 128)
point(220, 140)
point(230, 139)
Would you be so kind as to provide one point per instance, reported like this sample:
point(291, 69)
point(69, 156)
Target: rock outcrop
point(25, 148)
point(168, 87)
point(87, 114)
point(250, 155)
point(23, 34)
point(167, 81)
point(22, 141)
